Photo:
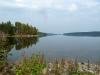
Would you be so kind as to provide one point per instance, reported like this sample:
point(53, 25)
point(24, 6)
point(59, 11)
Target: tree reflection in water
point(7, 43)
point(25, 42)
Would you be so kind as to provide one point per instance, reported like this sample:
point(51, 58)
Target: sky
point(53, 16)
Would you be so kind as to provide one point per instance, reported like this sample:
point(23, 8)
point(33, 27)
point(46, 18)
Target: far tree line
point(17, 29)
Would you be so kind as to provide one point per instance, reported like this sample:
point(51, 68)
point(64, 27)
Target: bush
point(30, 66)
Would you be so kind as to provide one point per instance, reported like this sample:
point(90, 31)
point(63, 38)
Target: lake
point(57, 46)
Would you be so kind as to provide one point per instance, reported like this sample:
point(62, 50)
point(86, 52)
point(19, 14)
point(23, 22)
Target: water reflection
point(25, 42)
point(51, 46)
point(5, 47)
point(7, 43)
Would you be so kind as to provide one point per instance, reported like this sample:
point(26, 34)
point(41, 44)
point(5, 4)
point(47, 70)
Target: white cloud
point(55, 4)
point(88, 3)
point(72, 7)
point(19, 1)
point(68, 5)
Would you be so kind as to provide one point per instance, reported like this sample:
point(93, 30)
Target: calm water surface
point(61, 47)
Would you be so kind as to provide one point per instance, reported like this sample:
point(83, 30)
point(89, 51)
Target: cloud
point(72, 7)
point(19, 1)
point(68, 5)
point(65, 14)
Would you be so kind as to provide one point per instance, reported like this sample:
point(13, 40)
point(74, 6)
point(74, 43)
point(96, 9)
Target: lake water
point(59, 46)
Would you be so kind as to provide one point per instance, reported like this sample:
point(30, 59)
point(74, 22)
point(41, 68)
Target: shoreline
point(21, 36)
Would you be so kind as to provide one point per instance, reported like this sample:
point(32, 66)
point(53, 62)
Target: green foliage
point(20, 28)
point(81, 73)
point(2, 58)
point(7, 28)
point(24, 29)
point(30, 66)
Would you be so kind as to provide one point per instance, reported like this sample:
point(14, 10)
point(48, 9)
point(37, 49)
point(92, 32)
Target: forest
point(9, 29)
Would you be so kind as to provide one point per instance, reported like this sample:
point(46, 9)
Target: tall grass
point(30, 66)
point(37, 65)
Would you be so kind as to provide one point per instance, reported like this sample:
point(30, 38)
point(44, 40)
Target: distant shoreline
point(92, 34)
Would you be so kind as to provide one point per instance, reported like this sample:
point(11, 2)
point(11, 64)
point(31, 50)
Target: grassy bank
point(27, 66)
point(37, 65)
